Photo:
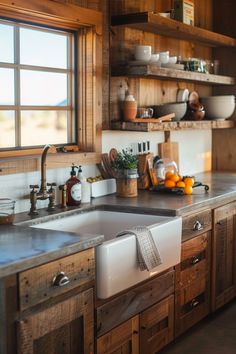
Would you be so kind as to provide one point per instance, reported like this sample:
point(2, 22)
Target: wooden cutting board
point(169, 149)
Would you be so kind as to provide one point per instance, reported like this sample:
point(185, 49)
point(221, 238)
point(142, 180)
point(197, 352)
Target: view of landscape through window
point(36, 105)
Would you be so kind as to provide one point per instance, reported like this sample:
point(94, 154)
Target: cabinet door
point(65, 328)
point(192, 296)
point(224, 255)
point(123, 339)
point(157, 326)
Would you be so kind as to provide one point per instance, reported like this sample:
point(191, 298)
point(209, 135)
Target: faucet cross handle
point(51, 184)
point(34, 186)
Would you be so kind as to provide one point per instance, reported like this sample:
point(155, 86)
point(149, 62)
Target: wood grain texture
point(152, 72)
point(169, 149)
point(189, 228)
point(192, 296)
point(157, 326)
point(124, 306)
point(224, 245)
point(45, 322)
point(36, 284)
point(123, 339)
point(154, 23)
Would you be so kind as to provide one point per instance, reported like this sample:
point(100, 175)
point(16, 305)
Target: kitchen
point(201, 150)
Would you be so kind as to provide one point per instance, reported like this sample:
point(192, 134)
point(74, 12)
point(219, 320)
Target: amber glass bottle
point(73, 189)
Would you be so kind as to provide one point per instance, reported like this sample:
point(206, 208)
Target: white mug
point(143, 52)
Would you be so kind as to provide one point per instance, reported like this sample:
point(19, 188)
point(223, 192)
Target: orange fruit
point(180, 184)
point(168, 183)
point(188, 189)
point(189, 181)
point(168, 174)
point(174, 178)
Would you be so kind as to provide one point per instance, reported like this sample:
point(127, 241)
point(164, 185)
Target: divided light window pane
point(43, 88)
point(6, 43)
point(7, 93)
point(7, 129)
point(46, 49)
point(50, 127)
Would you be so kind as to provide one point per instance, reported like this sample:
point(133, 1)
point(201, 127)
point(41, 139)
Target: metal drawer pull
point(197, 226)
point(195, 260)
point(60, 279)
point(194, 303)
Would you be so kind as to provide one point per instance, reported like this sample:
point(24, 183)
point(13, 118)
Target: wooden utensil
point(169, 149)
point(113, 155)
point(107, 166)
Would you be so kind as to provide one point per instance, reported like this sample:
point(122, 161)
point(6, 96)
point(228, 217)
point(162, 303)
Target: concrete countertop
point(22, 247)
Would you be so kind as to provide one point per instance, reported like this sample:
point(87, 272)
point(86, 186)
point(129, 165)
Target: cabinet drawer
point(157, 326)
point(41, 283)
point(197, 223)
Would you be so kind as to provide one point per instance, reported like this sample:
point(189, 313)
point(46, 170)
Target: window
point(37, 86)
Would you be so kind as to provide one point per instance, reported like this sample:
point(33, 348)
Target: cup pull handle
point(60, 280)
point(195, 260)
point(197, 226)
point(194, 303)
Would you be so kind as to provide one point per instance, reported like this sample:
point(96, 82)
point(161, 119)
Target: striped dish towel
point(148, 256)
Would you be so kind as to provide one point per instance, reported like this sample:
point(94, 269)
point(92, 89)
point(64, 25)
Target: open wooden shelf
point(156, 72)
point(165, 126)
point(155, 23)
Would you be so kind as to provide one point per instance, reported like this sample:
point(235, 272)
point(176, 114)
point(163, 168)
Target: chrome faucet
point(43, 193)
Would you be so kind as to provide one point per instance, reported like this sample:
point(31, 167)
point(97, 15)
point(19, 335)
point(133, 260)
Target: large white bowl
point(218, 107)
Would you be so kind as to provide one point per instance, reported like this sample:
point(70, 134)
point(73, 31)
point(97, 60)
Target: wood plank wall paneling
point(223, 143)
point(123, 40)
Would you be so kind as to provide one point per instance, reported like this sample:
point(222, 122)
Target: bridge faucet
point(43, 193)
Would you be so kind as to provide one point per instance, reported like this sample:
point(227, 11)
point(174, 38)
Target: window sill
point(30, 163)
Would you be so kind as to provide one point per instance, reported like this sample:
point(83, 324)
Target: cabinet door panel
point(157, 326)
point(123, 339)
point(224, 254)
point(65, 328)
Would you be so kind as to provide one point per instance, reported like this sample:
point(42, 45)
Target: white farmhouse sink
point(116, 260)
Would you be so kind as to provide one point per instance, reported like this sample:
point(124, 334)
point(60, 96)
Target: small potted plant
point(126, 167)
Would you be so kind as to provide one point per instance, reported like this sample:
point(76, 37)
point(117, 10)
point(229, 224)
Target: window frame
point(17, 67)
point(88, 27)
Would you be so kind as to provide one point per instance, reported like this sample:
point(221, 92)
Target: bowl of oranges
point(181, 184)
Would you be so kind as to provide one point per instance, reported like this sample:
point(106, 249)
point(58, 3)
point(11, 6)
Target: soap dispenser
point(73, 185)
point(85, 187)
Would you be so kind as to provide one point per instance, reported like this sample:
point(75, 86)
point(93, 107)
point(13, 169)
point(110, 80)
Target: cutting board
point(169, 149)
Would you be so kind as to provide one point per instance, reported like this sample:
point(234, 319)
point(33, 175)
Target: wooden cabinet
point(124, 339)
point(157, 326)
point(192, 295)
point(139, 321)
point(224, 255)
point(66, 327)
point(50, 308)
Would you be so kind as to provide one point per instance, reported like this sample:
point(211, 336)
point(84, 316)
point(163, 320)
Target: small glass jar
point(7, 209)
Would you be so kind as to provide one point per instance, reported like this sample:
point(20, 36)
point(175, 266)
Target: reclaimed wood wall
point(223, 142)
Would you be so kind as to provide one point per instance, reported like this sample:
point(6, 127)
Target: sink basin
point(116, 260)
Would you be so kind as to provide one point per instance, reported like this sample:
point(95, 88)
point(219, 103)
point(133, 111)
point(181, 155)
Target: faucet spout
point(43, 186)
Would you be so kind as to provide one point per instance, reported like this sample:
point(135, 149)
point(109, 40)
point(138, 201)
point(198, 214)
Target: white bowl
point(154, 58)
point(182, 95)
point(164, 57)
point(218, 107)
point(143, 52)
point(172, 60)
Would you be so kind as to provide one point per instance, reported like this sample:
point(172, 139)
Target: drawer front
point(128, 304)
point(41, 283)
point(197, 223)
point(157, 326)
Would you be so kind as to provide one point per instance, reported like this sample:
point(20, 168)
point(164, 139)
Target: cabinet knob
point(194, 303)
point(197, 226)
point(195, 260)
point(60, 279)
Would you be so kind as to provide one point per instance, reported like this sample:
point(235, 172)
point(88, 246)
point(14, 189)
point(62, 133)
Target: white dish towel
point(148, 256)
